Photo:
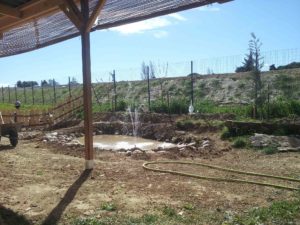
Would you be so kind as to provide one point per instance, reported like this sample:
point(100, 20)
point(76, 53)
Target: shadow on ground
point(57, 212)
point(6, 147)
point(9, 217)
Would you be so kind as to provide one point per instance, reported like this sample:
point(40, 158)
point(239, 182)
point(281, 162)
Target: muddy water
point(117, 142)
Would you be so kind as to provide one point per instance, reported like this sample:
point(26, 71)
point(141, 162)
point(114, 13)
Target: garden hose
point(145, 166)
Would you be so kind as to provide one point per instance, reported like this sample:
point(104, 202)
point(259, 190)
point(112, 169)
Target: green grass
point(109, 206)
point(166, 215)
point(280, 213)
point(6, 106)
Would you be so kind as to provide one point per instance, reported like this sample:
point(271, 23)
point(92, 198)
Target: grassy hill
point(212, 93)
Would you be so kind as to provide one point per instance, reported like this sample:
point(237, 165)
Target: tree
point(73, 81)
point(44, 83)
point(254, 46)
point(148, 69)
point(22, 84)
point(248, 63)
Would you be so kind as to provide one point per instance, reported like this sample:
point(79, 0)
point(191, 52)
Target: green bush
point(225, 134)
point(270, 150)
point(239, 143)
point(159, 106)
point(121, 106)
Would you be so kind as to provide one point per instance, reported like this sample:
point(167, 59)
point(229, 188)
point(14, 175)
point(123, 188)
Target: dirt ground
point(43, 185)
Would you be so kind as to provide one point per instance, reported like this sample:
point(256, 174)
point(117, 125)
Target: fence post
point(268, 99)
point(8, 94)
point(25, 97)
point(43, 98)
point(148, 81)
point(54, 91)
point(2, 89)
point(32, 93)
point(168, 100)
point(16, 95)
point(70, 94)
point(192, 83)
point(115, 89)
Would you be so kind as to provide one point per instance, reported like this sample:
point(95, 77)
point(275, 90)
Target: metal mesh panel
point(57, 27)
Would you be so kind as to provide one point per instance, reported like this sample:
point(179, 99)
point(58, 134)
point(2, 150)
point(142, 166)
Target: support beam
point(35, 10)
point(87, 86)
point(95, 14)
point(70, 13)
point(9, 11)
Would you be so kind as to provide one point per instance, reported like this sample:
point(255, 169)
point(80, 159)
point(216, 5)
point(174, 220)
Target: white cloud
point(177, 16)
point(142, 26)
point(209, 9)
point(150, 25)
point(160, 34)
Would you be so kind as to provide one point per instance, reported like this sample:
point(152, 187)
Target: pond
point(117, 142)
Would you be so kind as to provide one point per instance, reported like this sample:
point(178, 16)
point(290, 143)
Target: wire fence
point(195, 82)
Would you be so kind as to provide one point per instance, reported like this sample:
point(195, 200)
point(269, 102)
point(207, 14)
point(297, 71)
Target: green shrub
point(185, 124)
point(270, 150)
point(239, 143)
point(225, 134)
point(159, 106)
point(121, 106)
point(108, 206)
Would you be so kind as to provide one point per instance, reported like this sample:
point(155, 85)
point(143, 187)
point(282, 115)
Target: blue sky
point(206, 32)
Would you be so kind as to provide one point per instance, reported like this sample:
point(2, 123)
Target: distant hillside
point(233, 88)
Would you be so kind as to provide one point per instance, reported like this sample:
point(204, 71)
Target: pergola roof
point(26, 25)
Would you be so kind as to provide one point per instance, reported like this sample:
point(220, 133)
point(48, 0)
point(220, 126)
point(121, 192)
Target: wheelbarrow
point(10, 131)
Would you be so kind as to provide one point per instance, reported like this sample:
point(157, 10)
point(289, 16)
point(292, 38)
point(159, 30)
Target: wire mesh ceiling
point(56, 27)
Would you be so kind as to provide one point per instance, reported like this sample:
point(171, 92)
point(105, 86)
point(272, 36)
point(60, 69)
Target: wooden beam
point(75, 18)
point(87, 86)
point(95, 14)
point(9, 11)
point(36, 10)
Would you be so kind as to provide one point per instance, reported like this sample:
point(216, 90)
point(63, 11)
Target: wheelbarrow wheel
point(13, 138)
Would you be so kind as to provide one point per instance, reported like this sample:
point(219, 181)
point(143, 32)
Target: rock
point(128, 153)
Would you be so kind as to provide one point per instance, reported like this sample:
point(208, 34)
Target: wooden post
point(2, 89)
point(43, 97)
point(16, 95)
point(70, 94)
point(25, 97)
point(54, 91)
point(192, 83)
point(87, 85)
point(148, 81)
point(9, 94)
point(115, 89)
point(32, 92)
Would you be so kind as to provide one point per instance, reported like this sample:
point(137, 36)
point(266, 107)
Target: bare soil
point(42, 184)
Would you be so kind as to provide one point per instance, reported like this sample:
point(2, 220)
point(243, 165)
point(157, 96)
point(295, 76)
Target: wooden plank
point(28, 12)
point(9, 11)
point(72, 12)
point(95, 14)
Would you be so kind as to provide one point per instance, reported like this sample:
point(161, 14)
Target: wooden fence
point(55, 115)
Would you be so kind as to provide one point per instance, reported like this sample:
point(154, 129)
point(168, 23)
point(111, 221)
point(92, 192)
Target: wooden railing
point(57, 114)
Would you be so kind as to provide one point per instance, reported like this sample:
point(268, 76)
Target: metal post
point(192, 83)
point(43, 97)
point(87, 84)
point(70, 87)
point(54, 91)
point(32, 92)
point(2, 94)
point(16, 95)
point(148, 81)
point(8, 94)
point(115, 89)
point(268, 99)
point(25, 97)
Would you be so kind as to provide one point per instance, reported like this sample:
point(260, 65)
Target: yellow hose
point(145, 166)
